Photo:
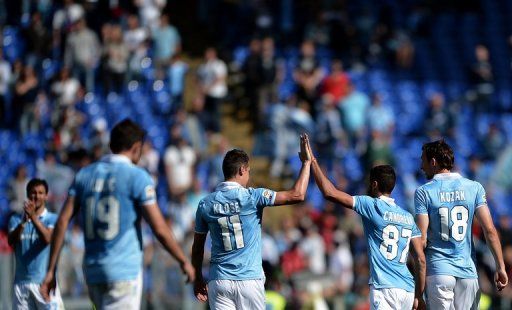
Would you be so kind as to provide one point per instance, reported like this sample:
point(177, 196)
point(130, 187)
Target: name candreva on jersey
point(398, 218)
point(452, 196)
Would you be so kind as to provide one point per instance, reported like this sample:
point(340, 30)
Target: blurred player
point(388, 230)
point(30, 235)
point(111, 195)
point(233, 214)
point(445, 207)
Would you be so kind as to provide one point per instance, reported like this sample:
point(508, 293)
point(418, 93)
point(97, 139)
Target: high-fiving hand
point(304, 155)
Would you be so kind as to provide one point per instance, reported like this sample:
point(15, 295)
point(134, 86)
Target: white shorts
point(231, 295)
point(451, 293)
point(27, 296)
point(390, 299)
point(117, 295)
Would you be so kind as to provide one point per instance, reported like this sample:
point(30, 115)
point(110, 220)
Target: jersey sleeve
point(51, 221)
point(14, 221)
point(420, 201)
point(144, 188)
point(364, 205)
point(415, 231)
point(263, 196)
point(480, 199)
point(201, 225)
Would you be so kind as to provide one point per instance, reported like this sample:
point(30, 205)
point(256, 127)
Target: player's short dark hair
point(124, 135)
point(441, 152)
point(385, 177)
point(233, 161)
point(36, 182)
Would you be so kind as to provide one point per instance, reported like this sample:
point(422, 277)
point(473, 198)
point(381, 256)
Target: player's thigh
point(20, 297)
point(251, 294)
point(390, 299)
point(440, 292)
point(221, 295)
point(39, 303)
point(467, 294)
point(117, 295)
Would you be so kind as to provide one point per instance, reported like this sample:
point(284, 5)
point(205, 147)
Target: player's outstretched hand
point(201, 290)
point(307, 146)
point(48, 286)
point(189, 271)
point(419, 304)
point(500, 279)
point(303, 154)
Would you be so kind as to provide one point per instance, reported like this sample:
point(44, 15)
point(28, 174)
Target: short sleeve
point(201, 225)
point(72, 191)
point(52, 220)
point(415, 231)
point(420, 201)
point(364, 205)
point(480, 199)
point(263, 196)
point(144, 188)
point(14, 221)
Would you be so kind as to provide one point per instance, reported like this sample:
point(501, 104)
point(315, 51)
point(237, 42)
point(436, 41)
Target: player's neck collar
point(388, 200)
point(227, 185)
point(447, 176)
point(116, 158)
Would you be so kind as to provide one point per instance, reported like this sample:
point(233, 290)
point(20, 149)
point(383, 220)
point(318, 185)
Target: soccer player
point(111, 196)
point(389, 230)
point(233, 214)
point(30, 235)
point(445, 207)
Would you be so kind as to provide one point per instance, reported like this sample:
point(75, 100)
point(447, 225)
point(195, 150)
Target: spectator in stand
point(379, 151)
point(182, 216)
point(135, 35)
point(212, 82)
point(272, 75)
point(149, 11)
point(167, 42)
point(176, 75)
point(336, 83)
point(328, 131)
point(17, 189)
point(354, 109)
point(25, 94)
point(341, 264)
point(380, 117)
point(493, 142)
point(482, 79)
point(82, 53)
point(66, 89)
point(59, 178)
point(150, 159)
point(439, 121)
point(252, 70)
point(63, 21)
point(38, 41)
point(308, 74)
point(5, 82)
point(115, 54)
point(313, 248)
point(179, 161)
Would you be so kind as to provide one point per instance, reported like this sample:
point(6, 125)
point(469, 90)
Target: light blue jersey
point(31, 252)
point(232, 214)
point(388, 230)
point(450, 201)
point(110, 194)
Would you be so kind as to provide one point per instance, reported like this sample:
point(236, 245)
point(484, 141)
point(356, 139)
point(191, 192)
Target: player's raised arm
point(493, 242)
point(298, 191)
point(67, 212)
point(153, 216)
point(329, 191)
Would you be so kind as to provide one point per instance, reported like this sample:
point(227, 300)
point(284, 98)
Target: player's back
point(110, 194)
point(388, 229)
point(450, 202)
point(232, 214)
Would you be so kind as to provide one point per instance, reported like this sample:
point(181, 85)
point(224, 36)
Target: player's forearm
point(44, 232)
point(493, 241)
point(326, 187)
point(166, 238)
point(197, 260)
point(420, 266)
point(56, 243)
point(301, 185)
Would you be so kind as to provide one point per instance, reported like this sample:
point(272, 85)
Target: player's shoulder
point(51, 217)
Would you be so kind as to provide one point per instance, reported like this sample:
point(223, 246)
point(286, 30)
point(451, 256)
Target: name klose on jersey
point(226, 208)
point(452, 196)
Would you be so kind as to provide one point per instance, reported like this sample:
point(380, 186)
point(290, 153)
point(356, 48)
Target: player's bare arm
point(44, 232)
point(420, 271)
point(422, 222)
point(493, 242)
point(65, 216)
point(153, 216)
point(329, 191)
point(298, 191)
point(200, 287)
